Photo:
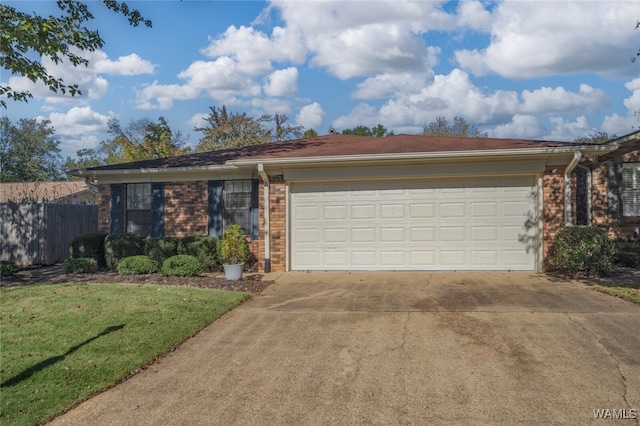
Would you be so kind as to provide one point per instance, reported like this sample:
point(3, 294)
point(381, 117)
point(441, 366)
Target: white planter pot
point(233, 272)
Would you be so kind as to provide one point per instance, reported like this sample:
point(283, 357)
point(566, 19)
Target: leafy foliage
point(29, 151)
point(459, 128)
point(378, 131)
point(310, 133)
point(8, 269)
point(583, 250)
point(26, 38)
point(181, 265)
point(89, 245)
point(162, 248)
point(595, 138)
point(81, 265)
point(119, 246)
point(204, 248)
point(137, 265)
point(233, 246)
point(627, 253)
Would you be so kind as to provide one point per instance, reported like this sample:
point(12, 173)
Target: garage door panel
point(434, 224)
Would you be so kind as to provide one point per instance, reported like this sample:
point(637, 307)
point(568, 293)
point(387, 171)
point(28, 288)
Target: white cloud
point(158, 96)
point(621, 124)
point(79, 127)
point(565, 130)
point(125, 65)
point(520, 126)
point(311, 116)
point(562, 37)
point(555, 101)
point(282, 82)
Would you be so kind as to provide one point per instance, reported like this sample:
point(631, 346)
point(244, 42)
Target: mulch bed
point(250, 282)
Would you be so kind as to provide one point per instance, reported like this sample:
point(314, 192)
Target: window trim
point(147, 229)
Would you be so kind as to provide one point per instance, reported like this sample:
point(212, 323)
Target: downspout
point(588, 170)
point(267, 235)
point(568, 201)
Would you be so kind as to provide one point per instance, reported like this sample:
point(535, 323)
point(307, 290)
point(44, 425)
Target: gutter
point(568, 202)
point(267, 233)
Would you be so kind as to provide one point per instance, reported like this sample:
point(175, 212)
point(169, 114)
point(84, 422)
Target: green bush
point(137, 265)
point(8, 269)
point(628, 259)
point(181, 265)
point(233, 246)
point(81, 265)
point(583, 250)
point(204, 248)
point(89, 245)
point(162, 248)
point(119, 246)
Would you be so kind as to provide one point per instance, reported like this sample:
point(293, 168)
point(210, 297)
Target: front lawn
point(630, 293)
point(61, 344)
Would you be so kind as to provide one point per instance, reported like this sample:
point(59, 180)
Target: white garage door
point(437, 224)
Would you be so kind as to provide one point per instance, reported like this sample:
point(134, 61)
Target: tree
point(85, 158)
point(310, 133)
point(595, 138)
point(378, 131)
point(140, 140)
point(459, 128)
point(28, 151)
point(26, 38)
point(232, 130)
point(283, 131)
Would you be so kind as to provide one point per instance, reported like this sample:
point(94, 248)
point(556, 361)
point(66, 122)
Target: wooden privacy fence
point(39, 234)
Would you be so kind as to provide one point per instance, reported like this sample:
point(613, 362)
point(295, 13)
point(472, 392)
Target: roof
point(43, 191)
point(337, 145)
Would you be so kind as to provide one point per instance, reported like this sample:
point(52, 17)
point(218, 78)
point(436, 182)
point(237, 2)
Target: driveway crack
point(405, 326)
point(612, 356)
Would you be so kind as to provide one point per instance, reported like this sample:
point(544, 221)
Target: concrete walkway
point(395, 348)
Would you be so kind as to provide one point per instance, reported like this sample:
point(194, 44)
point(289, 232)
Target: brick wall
point(277, 225)
point(618, 228)
point(185, 209)
point(104, 208)
point(552, 210)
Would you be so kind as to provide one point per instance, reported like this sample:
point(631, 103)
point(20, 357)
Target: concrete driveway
point(396, 348)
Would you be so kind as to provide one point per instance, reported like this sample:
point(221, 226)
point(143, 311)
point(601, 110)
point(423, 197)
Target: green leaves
point(27, 38)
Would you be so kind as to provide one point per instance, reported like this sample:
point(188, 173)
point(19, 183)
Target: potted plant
point(234, 252)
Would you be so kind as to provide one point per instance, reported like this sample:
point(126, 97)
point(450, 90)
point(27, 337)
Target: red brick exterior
point(553, 209)
point(104, 208)
point(185, 209)
point(618, 228)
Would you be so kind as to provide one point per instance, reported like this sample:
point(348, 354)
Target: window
point(138, 208)
point(631, 189)
point(236, 196)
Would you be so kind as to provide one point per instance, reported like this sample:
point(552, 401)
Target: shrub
point(181, 265)
point(8, 269)
point(583, 250)
point(204, 248)
point(233, 246)
point(628, 259)
point(160, 249)
point(137, 265)
point(81, 265)
point(119, 246)
point(89, 245)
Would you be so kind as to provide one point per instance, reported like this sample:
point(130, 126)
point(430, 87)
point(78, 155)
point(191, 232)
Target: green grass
point(631, 294)
point(61, 344)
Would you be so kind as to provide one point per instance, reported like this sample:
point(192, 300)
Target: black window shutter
point(157, 209)
point(117, 208)
point(255, 189)
point(215, 208)
point(614, 190)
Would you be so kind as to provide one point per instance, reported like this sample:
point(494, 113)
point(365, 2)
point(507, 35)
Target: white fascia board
point(172, 174)
point(435, 156)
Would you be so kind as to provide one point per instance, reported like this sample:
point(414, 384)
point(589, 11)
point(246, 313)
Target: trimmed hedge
point(119, 246)
point(137, 265)
point(8, 269)
point(181, 265)
point(627, 253)
point(162, 248)
point(583, 250)
point(89, 245)
point(204, 248)
point(81, 265)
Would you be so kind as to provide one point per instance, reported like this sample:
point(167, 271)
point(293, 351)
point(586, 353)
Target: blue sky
point(552, 70)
